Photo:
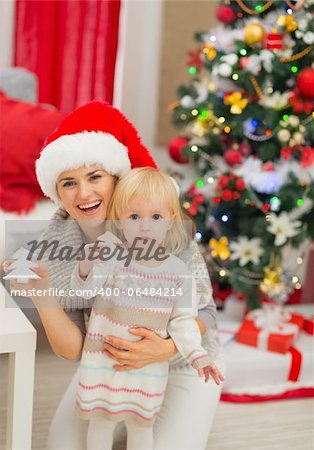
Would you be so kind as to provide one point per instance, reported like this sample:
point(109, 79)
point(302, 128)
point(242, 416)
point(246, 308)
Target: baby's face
point(147, 219)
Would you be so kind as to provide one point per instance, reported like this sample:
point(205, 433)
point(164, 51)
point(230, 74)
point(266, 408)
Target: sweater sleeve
point(101, 272)
point(193, 259)
point(95, 280)
point(184, 330)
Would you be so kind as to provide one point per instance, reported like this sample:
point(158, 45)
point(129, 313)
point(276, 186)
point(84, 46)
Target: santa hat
point(95, 133)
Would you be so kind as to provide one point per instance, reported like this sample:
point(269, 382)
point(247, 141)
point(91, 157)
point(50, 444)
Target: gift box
point(274, 41)
point(270, 328)
point(308, 326)
point(256, 375)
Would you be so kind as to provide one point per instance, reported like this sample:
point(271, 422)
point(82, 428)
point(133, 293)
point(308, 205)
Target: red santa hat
point(95, 133)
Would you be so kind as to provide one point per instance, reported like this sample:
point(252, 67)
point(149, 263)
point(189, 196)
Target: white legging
point(100, 435)
point(184, 421)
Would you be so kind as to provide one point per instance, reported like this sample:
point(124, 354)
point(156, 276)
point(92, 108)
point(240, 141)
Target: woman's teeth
point(89, 205)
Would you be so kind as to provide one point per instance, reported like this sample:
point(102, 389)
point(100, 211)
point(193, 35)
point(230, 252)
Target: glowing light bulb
point(198, 236)
point(200, 183)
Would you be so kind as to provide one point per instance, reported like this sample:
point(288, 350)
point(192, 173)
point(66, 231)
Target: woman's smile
point(91, 208)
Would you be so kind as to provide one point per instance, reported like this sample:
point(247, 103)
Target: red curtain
point(71, 45)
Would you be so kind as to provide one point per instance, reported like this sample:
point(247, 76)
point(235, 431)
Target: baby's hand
point(211, 371)
point(86, 265)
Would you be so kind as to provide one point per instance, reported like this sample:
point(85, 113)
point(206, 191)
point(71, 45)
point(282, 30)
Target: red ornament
point(244, 62)
point(195, 58)
point(286, 152)
point(300, 104)
point(268, 166)
point(274, 41)
point(307, 156)
point(305, 83)
point(245, 149)
point(175, 150)
point(226, 195)
point(240, 184)
point(197, 201)
point(223, 181)
point(233, 157)
point(225, 14)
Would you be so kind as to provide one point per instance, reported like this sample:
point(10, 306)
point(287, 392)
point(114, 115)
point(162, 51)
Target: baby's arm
point(187, 337)
point(90, 275)
point(89, 287)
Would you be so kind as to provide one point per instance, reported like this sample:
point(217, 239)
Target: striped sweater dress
point(158, 298)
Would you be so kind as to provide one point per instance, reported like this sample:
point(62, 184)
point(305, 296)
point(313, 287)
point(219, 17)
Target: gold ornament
point(209, 52)
point(288, 22)
point(236, 101)
point(272, 284)
point(220, 248)
point(254, 33)
point(203, 125)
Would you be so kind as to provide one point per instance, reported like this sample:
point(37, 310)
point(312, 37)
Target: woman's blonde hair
point(148, 183)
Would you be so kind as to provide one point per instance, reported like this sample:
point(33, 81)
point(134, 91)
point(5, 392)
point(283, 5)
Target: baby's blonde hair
point(148, 183)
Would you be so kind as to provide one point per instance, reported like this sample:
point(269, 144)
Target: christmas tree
point(246, 125)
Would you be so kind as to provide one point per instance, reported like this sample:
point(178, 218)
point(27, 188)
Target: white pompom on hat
point(95, 133)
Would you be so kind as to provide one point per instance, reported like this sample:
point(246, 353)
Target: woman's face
point(86, 192)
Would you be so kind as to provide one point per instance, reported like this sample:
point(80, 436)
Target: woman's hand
point(6, 265)
point(135, 355)
point(34, 286)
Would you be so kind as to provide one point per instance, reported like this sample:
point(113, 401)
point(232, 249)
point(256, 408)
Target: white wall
point(7, 12)
point(138, 64)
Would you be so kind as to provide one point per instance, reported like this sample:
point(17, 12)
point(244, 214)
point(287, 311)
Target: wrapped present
point(256, 375)
point(308, 326)
point(270, 328)
point(274, 41)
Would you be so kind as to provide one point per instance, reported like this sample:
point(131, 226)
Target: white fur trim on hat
point(72, 151)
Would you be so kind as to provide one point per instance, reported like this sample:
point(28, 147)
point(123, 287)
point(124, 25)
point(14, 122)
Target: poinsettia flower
point(283, 227)
point(246, 250)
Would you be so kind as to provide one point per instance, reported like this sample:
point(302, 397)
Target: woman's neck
point(91, 233)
